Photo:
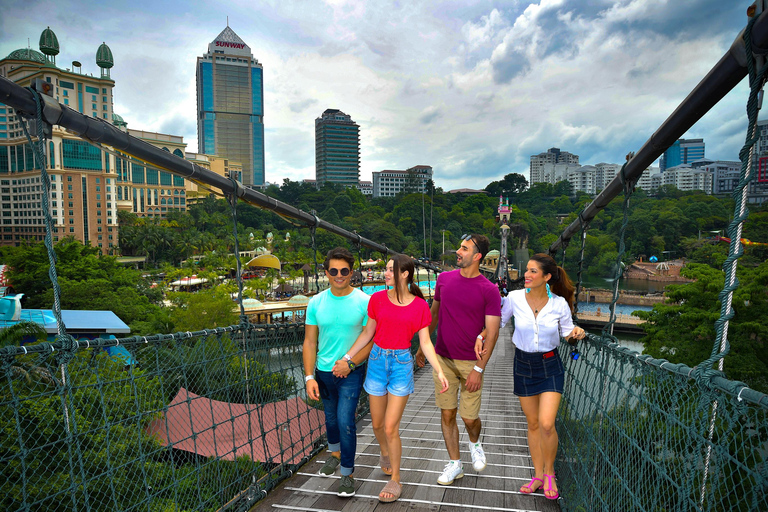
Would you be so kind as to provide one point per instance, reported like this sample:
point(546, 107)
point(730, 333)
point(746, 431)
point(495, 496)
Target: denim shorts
point(389, 371)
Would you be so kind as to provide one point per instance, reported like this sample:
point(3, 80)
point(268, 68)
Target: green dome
point(104, 56)
point(27, 54)
point(49, 43)
point(117, 120)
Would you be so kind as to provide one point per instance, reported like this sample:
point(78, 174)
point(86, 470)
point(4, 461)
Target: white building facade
point(389, 183)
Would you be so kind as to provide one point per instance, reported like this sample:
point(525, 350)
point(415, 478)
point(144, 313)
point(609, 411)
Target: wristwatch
point(352, 365)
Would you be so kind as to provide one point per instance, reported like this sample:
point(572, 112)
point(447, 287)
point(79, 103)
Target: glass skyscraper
point(682, 151)
point(230, 105)
point(337, 148)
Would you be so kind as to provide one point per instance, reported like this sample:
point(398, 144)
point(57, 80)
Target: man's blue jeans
point(340, 398)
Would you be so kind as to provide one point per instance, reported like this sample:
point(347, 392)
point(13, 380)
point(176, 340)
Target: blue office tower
point(682, 151)
point(230, 105)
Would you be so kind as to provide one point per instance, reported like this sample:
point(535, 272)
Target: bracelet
point(347, 357)
point(308, 378)
point(480, 337)
point(478, 369)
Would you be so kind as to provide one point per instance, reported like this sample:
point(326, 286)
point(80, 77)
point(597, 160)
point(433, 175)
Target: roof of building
point(228, 36)
point(104, 57)
point(466, 191)
point(49, 43)
point(27, 54)
point(75, 321)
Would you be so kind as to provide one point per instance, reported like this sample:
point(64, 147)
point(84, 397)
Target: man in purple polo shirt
point(465, 303)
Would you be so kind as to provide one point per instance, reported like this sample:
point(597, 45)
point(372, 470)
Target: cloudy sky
point(472, 88)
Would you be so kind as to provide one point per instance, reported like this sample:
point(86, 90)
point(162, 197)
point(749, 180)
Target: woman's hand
point(341, 369)
point(443, 381)
point(479, 349)
point(576, 334)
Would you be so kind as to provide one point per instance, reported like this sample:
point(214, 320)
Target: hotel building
point(545, 169)
point(682, 151)
point(230, 106)
point(83, 179)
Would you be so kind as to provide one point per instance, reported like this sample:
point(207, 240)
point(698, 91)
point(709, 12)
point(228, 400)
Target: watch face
point(351, 365)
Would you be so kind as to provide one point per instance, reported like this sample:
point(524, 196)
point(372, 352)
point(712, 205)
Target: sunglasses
point(469, 238)
point(334, 272)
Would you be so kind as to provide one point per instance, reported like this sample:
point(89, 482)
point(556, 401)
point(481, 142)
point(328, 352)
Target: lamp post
point(441, 254)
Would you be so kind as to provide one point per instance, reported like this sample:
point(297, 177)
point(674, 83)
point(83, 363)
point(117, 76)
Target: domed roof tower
point(27, 54)
point(49, 45)
point(104, 60)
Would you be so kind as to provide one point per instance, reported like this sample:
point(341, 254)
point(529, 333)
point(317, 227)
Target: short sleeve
point(438, 287)
point(372, 303)
point(492, 301)
point(426, 315)
point(311, 318)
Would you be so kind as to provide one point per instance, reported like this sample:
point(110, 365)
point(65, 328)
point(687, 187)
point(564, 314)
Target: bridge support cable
point(757, 69)
point(102, 132)
point(721, 79)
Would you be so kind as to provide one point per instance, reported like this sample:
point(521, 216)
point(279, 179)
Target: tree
point(511, 184)
point(205, 309)
point(683, 330)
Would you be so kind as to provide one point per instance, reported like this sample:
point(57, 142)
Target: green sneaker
point(346, 487)
point(329, 468)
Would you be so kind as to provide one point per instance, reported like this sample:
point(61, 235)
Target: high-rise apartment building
point(541, 173)
point(337, 149)
point(230, 105)
point(683, 151)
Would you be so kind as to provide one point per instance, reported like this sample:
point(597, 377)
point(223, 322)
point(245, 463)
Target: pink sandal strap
point(529, 484)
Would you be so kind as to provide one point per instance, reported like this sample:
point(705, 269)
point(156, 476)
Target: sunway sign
point(230, 45)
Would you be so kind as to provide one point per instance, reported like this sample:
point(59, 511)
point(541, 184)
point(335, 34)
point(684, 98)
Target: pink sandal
point(550, 489)
point(531, 490)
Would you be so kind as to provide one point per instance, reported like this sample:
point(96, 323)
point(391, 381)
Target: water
point(371, 289)
point(638, 285)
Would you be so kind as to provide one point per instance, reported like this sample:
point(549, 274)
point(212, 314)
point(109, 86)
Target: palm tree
point(14, 335)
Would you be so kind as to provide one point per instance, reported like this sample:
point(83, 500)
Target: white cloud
point(471, 89)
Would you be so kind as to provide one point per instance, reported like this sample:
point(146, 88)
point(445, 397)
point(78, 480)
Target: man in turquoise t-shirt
point(335, 318)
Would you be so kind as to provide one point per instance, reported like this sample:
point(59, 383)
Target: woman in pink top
point(394, 316)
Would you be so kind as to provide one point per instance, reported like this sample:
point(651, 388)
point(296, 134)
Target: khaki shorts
point(457, 371)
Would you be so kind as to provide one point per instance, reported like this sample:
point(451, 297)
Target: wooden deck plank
point(424, 456)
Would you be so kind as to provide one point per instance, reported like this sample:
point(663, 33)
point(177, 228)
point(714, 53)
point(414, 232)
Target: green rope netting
point(172, 425)
point(638, 433)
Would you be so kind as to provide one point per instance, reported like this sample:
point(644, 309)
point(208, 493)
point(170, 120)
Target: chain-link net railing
point(634, 434)
point(172, 424)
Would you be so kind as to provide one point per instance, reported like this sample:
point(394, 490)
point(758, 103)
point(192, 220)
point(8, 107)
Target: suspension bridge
point(217, 419)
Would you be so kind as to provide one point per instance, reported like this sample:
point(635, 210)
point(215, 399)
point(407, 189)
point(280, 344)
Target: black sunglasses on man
point(469, 237)
point(334, 272)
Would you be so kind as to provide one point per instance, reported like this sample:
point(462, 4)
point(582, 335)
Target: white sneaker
point(478, 456)
point(451, 472)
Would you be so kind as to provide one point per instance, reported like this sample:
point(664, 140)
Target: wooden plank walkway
point(424, 456)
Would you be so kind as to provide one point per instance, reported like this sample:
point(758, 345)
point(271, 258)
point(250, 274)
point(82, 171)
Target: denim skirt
point(536, 374)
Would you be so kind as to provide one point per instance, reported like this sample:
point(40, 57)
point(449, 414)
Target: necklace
point(535, 307)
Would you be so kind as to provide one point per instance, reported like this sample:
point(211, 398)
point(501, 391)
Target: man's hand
point(341, 369)
point(474, 381)
point(420, 359)
point(313, 392)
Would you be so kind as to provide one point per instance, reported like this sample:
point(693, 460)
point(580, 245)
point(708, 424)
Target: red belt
point(547, 355)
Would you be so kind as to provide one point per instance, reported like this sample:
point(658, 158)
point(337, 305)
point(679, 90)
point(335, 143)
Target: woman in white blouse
point(542, 314)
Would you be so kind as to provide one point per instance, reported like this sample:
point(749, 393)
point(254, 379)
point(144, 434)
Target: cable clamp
point(25, 349)
point(738, 397)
